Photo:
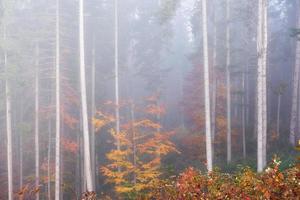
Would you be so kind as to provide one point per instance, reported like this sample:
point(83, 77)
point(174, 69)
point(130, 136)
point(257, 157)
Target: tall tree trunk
point(117, 111)
point(86, 136)
point(295, 99)
point(8, 124)
point(57, 107)
point(21, 144)
point(206, 87)
point(243, 116)
point(278, 115)
point(214, 81)
point(261, 85)
point(93, 141)
point(228, 81)
point(37, 149)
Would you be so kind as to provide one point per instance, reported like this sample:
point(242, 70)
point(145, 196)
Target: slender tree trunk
point(49, 159)
point(228, 81)
point(117, 111)
point(295, 99)
point(278, 115)
point(261, 85)
point(244, 117)
point(8, 124)
point(206, 87)
point(214, 81)
point(37, 149)
point(21, 144)
point(93, 141)
point(57, 107)
point(86, 136)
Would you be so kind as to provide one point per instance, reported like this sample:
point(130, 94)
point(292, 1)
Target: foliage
point(245, 184)
point(135, 168)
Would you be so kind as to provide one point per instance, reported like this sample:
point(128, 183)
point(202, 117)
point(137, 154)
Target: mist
point(149, 99)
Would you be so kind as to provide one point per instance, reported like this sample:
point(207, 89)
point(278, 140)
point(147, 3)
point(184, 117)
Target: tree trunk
point(228, 82)
point(206, 87)
point(37, 149)
point(8, 124)
point(295, 100)
point(278, 115)
point(214, 81)
point(93, 141)
point(244, 116)
point(86, 139)
point(57, 107)
point(261, 85)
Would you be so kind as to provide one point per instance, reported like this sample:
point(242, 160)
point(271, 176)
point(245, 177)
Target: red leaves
point(69, 145)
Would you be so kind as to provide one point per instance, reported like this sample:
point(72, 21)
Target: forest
point(149, 99)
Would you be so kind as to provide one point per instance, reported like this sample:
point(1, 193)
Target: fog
point(113, 99)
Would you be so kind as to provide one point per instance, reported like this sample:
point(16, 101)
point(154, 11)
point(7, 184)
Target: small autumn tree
point(142, 146)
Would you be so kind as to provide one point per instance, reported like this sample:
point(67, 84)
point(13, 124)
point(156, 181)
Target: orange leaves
point(146, 123)
point(155, 109)
point(246, 184)
point(140, 153)
point(102, 120)
point(69, 145)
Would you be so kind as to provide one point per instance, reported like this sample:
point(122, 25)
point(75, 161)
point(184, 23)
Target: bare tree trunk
point(117, 111)
point(228, 82)
point(261, 85)
point(8, 124)
point(295, 99)
point(243, 117)
point(37, 149)
point(214, 81)
point(278, 115)
point(93, 141)
point(86, 136)
point(206, 87)
point(21, 144)
point(57, 107)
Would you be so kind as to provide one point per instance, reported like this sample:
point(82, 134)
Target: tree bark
point(295, 98)
point(86, 136)
point(206, 87)
point(8, 124)
point(57, 106)
point(228, 81)
point(261, 85)
point(37, 149)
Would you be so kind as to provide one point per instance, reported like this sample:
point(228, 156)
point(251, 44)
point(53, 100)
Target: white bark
point(228, 81)
point(261, 84)
point(21, 145)
point(8, 125)
point(57, 106)
point(295, 100)
point(117, 111)
point(86, 136)
point(37, 150)
point(206, 87)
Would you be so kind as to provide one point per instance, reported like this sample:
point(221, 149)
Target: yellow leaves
point(146, 123)
point(102, 120)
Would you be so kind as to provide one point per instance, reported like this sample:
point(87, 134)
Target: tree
point(37, 149)
point(86, 137)
point(295, 99)
point(228, 81)
point(206, 88)
point(57, 103)
point(262, 44)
